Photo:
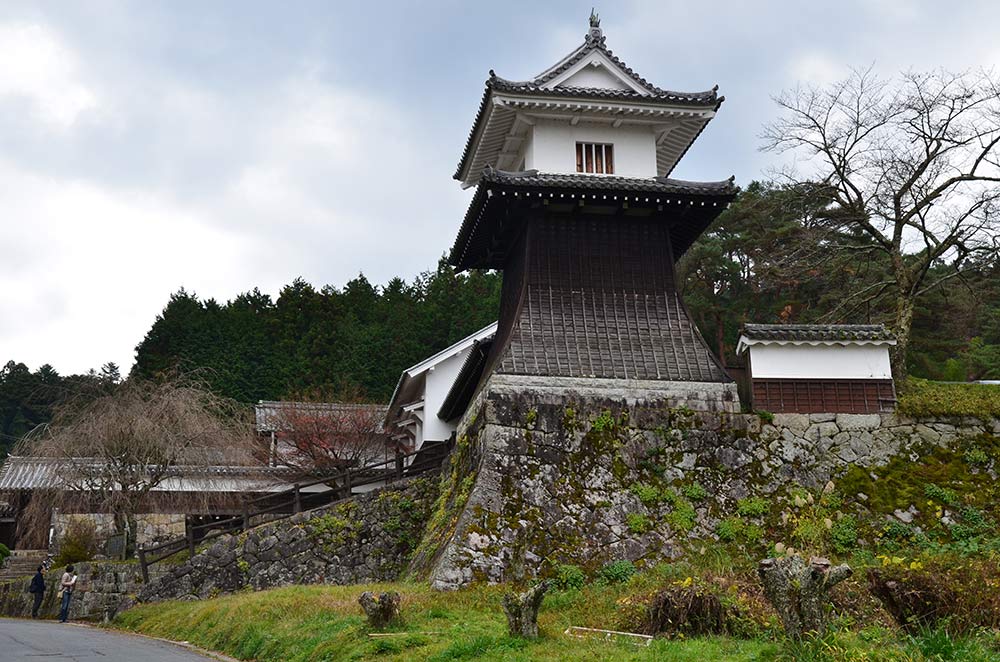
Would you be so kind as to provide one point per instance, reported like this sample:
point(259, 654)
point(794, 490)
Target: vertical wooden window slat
point(595, 158)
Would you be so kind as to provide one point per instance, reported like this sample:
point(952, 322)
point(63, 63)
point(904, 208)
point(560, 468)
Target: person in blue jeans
point(67, 584)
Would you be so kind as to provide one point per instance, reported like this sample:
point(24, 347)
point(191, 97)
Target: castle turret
point(595, 356)
point(575, 205)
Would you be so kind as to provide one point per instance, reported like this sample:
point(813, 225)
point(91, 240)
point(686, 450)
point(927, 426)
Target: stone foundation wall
point(539, 478)
point(151, 528)
point(367, 539)
point(102, 589)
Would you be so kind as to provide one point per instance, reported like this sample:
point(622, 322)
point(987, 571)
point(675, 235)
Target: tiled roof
point(708, 98)
point(665, 185)
point(32, 473)
point(269, 414)
point(599, 301)
point(464, 387)
point(589, 45)
point(818, 332)
point(704, 199)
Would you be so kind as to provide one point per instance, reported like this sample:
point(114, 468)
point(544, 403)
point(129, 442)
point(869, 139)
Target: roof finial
point(595, 34)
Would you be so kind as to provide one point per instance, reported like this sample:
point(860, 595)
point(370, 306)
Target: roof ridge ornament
point(595, 33)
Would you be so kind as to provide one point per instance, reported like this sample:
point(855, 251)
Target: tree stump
point(522, 610)
point(382, 609)
point(799, 591)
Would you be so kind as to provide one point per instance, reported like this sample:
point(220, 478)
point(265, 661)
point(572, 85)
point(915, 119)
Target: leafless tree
point(320, 437)
point(913, 164)
point(113, 451)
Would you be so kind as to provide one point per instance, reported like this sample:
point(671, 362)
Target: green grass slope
point(321, 623)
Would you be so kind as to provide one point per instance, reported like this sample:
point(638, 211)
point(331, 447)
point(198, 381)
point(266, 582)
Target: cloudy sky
point(148, 146)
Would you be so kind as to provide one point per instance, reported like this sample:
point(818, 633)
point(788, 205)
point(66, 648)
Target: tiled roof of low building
point(274, 415)
point(35, 473)
point(818, 332)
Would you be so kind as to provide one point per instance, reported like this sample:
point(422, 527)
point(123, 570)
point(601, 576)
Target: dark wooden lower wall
point(841, 396)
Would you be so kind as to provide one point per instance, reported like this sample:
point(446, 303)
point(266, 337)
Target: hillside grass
point(313, 623)
point(922, 398)
point(320, 623)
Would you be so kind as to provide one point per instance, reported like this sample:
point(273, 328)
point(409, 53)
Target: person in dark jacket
point(37, 589)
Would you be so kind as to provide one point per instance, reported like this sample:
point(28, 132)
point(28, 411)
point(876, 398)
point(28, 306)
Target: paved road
point(27, 641)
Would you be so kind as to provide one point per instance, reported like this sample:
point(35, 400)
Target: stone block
point(890, 420)
point(769, 433)
point(927, 434)
point(847, 454)
point(822, 418)
point(796, 422)
point(821, 429)
point(733, 459)
point(848, 422)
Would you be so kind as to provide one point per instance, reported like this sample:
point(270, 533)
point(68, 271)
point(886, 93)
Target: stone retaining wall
point(367, 539)
point(540, 479)
point(103, 588)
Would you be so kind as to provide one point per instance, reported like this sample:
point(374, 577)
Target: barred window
point(597, 158)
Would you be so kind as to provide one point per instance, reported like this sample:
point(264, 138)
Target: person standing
point(37, 589)
point(67, 584)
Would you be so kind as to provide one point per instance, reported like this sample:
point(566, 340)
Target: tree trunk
point(799, 591)
point(903, 324)
point(522, 611)
point(720, 338)
point(381, 610)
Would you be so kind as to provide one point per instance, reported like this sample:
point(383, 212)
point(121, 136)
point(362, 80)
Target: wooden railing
point(278, 505)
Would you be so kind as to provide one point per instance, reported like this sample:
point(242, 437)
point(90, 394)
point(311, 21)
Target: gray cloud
point(220, 147)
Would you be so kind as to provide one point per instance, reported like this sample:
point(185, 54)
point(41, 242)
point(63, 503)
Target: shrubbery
point(617, 572)
point(79, 543)
point(570, 577)
point(959, 595)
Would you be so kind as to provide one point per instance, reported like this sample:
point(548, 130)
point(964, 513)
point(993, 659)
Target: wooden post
point(189, 532)
point(142, 565)
point(297, 508)
point(399, 465)
point(246, 517)
point(347, 484)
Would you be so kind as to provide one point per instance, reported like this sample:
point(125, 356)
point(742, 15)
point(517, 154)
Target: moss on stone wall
point(455, 485)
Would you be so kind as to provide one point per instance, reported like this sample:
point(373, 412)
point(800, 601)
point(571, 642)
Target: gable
point(597, 77)
point(596, 70)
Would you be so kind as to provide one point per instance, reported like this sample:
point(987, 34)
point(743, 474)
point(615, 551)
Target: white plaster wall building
point(589, 98)
point(412, 418)
point(833, 368)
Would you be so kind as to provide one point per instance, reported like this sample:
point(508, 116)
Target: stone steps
point(22, 563)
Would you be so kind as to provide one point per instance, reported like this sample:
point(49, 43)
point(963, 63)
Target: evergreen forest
point(766, 259)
